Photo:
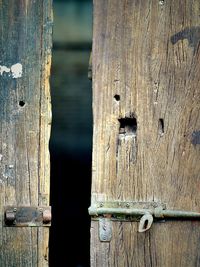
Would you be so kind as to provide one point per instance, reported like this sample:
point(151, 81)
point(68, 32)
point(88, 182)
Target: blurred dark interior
point(71, 135)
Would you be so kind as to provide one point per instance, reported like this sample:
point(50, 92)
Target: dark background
point(71, 136)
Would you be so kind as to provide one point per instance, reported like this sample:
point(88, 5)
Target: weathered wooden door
point(25, 118)
point(146, 145)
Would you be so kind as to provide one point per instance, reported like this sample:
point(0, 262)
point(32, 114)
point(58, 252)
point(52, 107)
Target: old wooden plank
point(146, 104)
point(25, 117)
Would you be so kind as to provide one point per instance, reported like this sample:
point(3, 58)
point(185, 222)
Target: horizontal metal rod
point(117, 211)
point(158, 213)
point(180, 214)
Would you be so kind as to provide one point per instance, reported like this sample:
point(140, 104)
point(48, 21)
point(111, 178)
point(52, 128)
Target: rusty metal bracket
point(26, 216)
point(144, 212)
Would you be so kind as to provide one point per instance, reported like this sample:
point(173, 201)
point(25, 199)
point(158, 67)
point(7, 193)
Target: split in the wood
point(161, 127)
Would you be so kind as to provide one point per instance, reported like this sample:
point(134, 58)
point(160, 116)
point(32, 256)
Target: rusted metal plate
point(27, 216)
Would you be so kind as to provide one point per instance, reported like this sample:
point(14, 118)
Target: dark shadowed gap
point(71, 135)
point(128, 125)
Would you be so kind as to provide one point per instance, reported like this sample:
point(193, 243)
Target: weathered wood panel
point(146, 65)
point(25, 118)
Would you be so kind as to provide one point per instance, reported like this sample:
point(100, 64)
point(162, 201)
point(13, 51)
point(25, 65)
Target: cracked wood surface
point(25, 118)
point(146, 65)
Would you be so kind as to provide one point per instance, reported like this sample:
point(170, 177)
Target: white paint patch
point(3, 69)
point(11, 166)
point(1, 156)
point(15, 71)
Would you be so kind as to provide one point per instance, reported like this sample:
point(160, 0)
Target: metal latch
point(144, 212)
point(27, 216)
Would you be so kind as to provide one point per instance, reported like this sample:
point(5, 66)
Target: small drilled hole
point(21, 103)
point(117, 97)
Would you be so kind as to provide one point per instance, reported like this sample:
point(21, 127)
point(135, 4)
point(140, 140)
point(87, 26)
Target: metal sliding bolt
point(157, 212)
point(146, 214)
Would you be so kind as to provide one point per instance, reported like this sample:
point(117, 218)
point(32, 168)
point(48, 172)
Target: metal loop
point(145, 223)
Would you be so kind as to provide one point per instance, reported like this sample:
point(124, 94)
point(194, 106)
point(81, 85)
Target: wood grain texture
point(25, 118)
point(147, 53)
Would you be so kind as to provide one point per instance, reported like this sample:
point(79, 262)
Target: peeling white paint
point(1, 156)
point(5, 176)
point(3, 69)
point(4, 145)
point(15, 71)
point(11, 166)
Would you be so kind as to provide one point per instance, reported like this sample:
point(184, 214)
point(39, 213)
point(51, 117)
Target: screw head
point(104, 227)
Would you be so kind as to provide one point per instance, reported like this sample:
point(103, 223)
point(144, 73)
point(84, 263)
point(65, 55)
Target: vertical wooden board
point(146, 65)
point(25, 118)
